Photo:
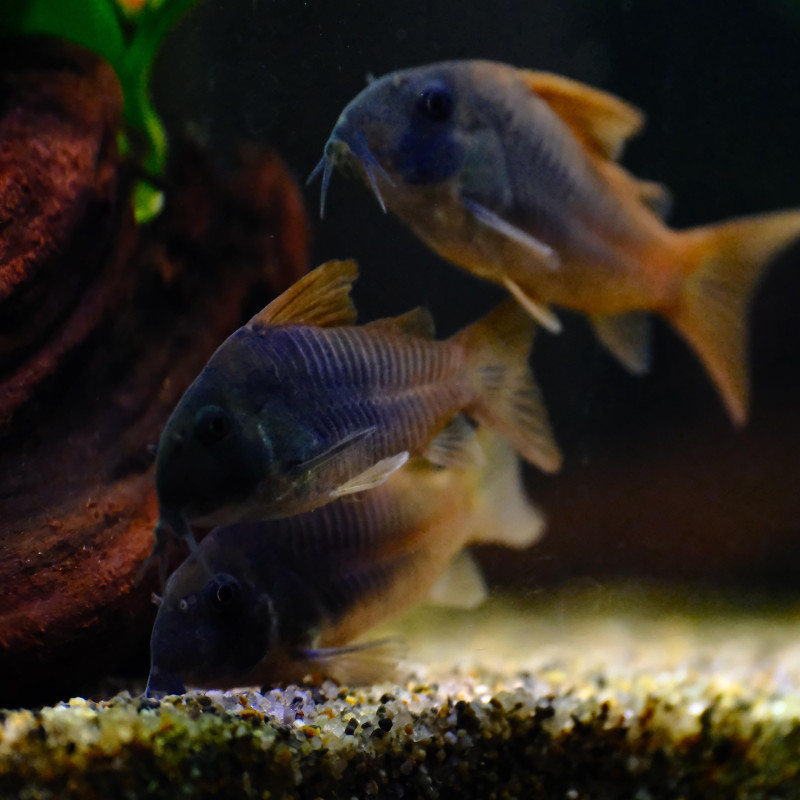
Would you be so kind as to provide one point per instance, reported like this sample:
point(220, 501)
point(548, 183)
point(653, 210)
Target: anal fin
point(627, 337)
point(461, 585)
point(456, 446)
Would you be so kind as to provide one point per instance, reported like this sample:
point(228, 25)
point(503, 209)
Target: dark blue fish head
point(213, 452)
point(404, 128)
point(210, 632)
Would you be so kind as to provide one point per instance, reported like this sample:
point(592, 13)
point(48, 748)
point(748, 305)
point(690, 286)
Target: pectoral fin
point(359, 664)
point(372, 477)
point(461, 585)
point(600, 121)
point(322, 298)
point(627, 337)
point(542, 253)
point(456, 446)
point(315, 462)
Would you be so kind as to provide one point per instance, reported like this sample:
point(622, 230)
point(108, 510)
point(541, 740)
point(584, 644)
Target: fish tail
point(508, 399)
point(504, 514)
point(726, 261)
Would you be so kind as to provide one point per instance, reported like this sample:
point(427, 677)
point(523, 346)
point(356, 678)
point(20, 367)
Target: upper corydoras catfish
point(512, 175)
point(299, 406)
point(286, 596)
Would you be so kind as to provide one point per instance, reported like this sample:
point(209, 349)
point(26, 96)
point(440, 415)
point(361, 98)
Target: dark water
point(657, 483)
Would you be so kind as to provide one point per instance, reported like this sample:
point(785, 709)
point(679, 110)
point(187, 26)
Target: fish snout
point(162, 683)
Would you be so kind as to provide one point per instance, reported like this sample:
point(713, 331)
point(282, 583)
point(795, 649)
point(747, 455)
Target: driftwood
point(102, 327)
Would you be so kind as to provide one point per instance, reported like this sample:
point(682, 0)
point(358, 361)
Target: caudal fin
point(508, 399)
point(712, 314)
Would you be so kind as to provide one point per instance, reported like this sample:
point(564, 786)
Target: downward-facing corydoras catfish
point(512, 175)
point(299, 406)
point(286, 596)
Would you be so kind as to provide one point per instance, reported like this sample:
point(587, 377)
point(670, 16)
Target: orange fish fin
point(627, 337)
point(652, 195)
point(321, 298)
point(359, 664)
point(600, 121)
point(461, 585)
point(372, 477)
point(728, 260)
point(508, 399)
point(503, 513)
point(417, 322)
point(456, 446)
point(541, 313)
point(655, 196)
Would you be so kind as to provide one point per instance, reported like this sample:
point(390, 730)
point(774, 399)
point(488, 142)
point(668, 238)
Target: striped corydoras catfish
point(513, 175)
point(287, 597)
point(300, 406)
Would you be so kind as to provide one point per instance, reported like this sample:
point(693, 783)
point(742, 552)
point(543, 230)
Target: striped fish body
point(329, 403)
point(286, 592)
point(300, 406)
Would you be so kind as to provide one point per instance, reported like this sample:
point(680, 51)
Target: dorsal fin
point(600, 121)
point(417, 322)
point(321, 298)
point(655, 197)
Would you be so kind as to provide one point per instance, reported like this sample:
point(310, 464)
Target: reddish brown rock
point(101, 329)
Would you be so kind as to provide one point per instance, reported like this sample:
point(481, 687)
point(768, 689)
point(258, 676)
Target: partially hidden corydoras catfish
point(300, 406)
point(513, 175)
point(286, 597)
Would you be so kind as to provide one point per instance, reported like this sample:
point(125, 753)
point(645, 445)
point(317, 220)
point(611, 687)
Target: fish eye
point(183, 605)
point(212, 424)
point(226, 590)
point(436, 103)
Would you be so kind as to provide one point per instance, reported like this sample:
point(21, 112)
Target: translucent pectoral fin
point(456, 446)
point(461, 585)
point(372, 477)
point(542, 253)
point(320, 460)
point(359, 663)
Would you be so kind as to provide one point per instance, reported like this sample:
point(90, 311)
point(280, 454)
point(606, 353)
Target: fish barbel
point(513, 175)
point(287, 597)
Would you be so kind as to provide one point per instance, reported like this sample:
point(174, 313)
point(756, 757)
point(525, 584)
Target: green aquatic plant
point(128, 34)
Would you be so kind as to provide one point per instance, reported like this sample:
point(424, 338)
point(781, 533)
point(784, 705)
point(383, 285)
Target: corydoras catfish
point(300, 406)
point(286, 597)
point(513, 175)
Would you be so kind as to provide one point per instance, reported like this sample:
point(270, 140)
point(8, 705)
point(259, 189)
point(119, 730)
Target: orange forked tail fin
point(508, 400)
point(712, 314)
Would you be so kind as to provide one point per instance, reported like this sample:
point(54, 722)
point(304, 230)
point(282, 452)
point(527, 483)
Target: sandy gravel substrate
point(591, 693)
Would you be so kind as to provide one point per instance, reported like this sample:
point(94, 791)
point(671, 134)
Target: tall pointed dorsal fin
point(602, 122)
point(321, 298)
point(417, 322)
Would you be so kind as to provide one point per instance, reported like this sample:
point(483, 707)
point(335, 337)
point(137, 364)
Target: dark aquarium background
point(657, 484)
